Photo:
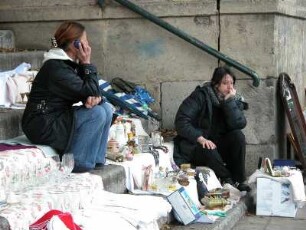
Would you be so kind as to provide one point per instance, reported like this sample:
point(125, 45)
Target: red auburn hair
point(67, 32)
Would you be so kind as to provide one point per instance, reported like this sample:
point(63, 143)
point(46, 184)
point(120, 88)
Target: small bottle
point(112, 131)
point(133, 130)
point(120, 135)
point(128, 132)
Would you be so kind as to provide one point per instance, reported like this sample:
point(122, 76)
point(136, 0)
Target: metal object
point(194, 41)
point(213, 202)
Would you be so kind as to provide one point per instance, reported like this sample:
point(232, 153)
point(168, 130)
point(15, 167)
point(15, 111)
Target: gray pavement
point(242, 217)
point(224, 223)
point(253, 222)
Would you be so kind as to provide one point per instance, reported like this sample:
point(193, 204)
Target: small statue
point(133, 147)
point(147, 180)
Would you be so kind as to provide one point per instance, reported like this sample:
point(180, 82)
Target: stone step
point(10, 125)
point(113, 176)
point(10, 60)
point(7, 40)
point(10, 57)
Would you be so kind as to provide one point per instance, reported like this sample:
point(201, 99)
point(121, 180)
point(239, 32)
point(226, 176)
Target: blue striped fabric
point(122, 100)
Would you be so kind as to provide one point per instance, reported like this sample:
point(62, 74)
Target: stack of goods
point(122, 140)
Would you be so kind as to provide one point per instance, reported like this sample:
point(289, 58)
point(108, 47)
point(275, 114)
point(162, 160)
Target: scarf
point(216, 97)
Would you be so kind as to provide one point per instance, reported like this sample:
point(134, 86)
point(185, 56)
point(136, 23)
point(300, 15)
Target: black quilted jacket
point(194, 118)
point(48, 116)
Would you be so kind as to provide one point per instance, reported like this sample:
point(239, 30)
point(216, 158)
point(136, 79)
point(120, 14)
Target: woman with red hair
point(66, 78)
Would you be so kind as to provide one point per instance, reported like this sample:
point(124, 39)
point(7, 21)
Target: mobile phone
point(77, 43)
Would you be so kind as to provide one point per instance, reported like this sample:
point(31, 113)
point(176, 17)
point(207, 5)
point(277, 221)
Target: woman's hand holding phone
point(77, 44)
point(84, 51)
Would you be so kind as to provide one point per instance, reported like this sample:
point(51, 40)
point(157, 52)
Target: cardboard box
point(185, 209)
point(274, 198)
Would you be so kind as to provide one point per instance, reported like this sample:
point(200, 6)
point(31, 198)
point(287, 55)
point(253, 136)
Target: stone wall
point(265, 35)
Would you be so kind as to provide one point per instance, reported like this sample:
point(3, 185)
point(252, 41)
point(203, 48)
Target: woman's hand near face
point(231, 93)
point(206, 143)
point(92, 101)
point(84, 53)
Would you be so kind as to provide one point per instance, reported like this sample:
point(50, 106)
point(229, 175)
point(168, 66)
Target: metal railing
point(192, 40)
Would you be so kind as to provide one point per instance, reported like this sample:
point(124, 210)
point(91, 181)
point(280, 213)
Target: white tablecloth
point(69, 195)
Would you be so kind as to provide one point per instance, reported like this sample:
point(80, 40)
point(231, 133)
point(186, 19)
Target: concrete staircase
point(10, 123)
point(10, 119)
point(10, 56)
point(113, 176)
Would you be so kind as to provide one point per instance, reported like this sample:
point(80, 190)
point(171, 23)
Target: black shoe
point(243, 187)
point(78, 169)
point(99, 166)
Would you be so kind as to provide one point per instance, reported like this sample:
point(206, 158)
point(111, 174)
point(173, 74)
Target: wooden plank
point(295, 116)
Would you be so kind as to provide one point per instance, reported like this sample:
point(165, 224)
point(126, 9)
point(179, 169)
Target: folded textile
point(129, 211)
point(23, 140)
point(5, 147)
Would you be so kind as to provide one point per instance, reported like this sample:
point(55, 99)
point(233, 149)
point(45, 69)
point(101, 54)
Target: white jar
point(120, 134)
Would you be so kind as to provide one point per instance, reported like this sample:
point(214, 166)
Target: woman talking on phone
point(209, 124)
point(66, 77)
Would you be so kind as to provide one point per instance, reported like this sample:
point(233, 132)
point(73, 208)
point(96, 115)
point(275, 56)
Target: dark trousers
point(227, 160)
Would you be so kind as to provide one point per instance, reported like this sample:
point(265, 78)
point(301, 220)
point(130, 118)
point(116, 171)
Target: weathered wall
point(266, 35)
point(242, 38)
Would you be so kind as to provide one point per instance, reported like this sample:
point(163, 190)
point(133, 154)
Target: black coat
point(48, 117)
point(194, 119)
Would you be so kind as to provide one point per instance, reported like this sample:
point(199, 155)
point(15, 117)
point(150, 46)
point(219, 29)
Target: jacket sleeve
point(75, 86)
point(187, 116)
point(234, 115)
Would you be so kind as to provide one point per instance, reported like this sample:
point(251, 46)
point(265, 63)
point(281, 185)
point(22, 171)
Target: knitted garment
point(217, 97)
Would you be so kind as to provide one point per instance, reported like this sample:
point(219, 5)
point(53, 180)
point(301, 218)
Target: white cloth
point(123, 211)
point(134, 169)
point(235, 194)
point(295, 179)
point(9, 86)
point(3, 93)
point(56, 223)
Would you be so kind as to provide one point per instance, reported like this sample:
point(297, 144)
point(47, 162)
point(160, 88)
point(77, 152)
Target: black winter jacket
point(48, 117)
point(194, 119)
